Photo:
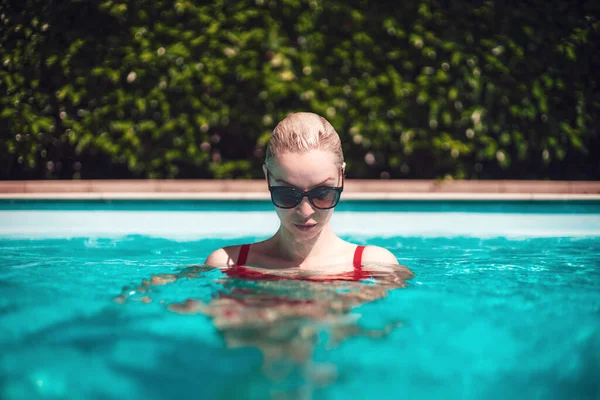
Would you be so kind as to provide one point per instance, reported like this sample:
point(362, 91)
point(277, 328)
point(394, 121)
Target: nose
point(305, 209)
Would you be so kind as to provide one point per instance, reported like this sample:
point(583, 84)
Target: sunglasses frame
point(306, 193)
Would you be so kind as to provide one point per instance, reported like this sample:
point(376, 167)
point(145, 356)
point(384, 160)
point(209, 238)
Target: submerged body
point(285, 312)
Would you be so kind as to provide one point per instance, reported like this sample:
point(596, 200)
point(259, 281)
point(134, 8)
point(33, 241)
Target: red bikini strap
point(358, 258)
point(243, 256)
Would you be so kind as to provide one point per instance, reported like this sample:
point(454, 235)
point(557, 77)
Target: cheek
point(325, 215)
point(284, 214)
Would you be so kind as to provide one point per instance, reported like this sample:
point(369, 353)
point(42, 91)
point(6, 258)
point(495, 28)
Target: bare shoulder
point(377, 258)
point(224, 257)
point(376, 254)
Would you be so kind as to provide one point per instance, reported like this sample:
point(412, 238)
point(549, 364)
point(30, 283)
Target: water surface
point(482, 318)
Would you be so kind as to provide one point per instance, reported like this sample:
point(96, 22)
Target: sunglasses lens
point(324, 197)
point(285, 197)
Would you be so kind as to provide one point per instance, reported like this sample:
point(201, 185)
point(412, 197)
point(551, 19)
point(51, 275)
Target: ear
point(344, 168)
point(264, 168)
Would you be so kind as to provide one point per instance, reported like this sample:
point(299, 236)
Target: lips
point(305, 227)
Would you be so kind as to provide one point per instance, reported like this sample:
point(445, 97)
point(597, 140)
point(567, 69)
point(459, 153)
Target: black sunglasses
point(321, 197)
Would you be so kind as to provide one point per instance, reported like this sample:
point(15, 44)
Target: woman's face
point(305, 172)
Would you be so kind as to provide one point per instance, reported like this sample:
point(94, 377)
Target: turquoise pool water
point(505, 303)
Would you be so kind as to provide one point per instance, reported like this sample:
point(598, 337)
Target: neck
point(297, 249)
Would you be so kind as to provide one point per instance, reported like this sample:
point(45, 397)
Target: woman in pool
point(305, 276)
point(304, 169)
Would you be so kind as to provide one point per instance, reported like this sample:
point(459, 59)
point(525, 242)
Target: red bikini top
point(239, 271)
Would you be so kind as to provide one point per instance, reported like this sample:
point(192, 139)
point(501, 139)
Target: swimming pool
point(505, 303)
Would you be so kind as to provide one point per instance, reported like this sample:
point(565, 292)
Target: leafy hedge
point(185, 89)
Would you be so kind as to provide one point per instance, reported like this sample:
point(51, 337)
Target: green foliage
point(425, 89)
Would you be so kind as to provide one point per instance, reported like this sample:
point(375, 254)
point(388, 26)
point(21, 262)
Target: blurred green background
point(186, 89)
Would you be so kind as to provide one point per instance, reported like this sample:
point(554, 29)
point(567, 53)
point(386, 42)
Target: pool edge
point(355, 189)
point(381, 196)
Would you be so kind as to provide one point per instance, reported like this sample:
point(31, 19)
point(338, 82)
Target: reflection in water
point(286, 316)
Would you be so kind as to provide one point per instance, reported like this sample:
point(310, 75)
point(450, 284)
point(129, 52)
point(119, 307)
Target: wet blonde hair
point(302, 132)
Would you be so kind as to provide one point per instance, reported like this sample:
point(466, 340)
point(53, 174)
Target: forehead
point(305, 169)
